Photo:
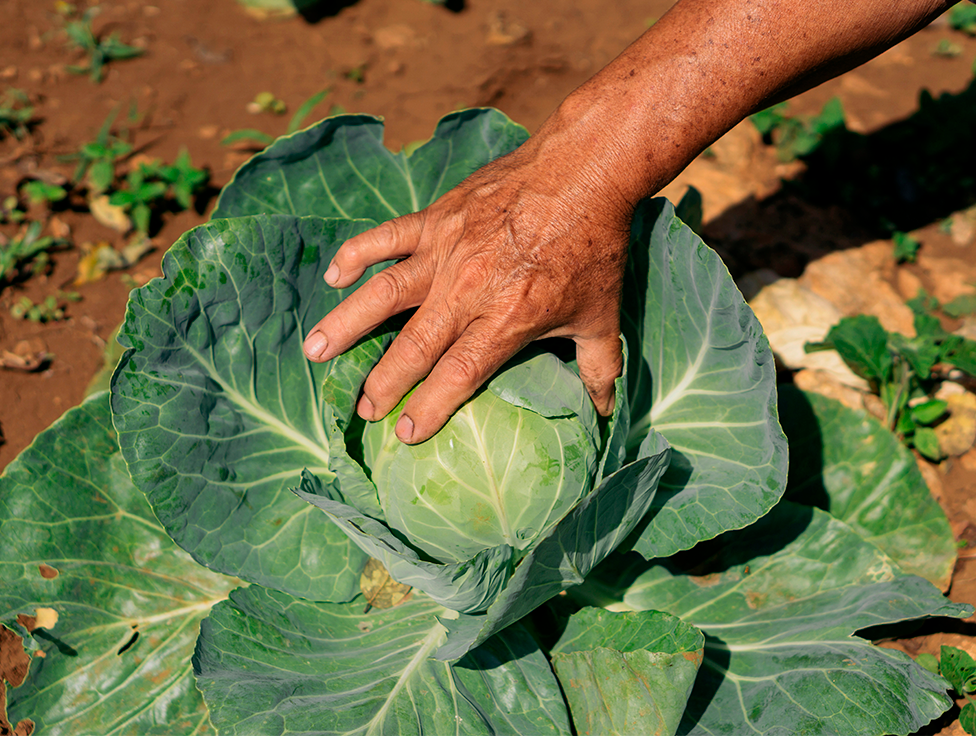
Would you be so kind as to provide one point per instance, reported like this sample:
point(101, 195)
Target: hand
point(530, 246)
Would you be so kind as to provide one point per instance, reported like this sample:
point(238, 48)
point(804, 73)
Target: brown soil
point(410, 62)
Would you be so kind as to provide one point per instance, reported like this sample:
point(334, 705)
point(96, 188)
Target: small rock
point(957, 434)
point(791, 316)
point(395, 37)
point(503, 31)
point(857, 281)
point(949, 277)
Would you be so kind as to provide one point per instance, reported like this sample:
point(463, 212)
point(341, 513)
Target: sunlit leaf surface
point(704, 378)
point(847, 463)
point(779, 604)
point(82, 555)
point(340, 167)
point(271, 664)
point(218, 410)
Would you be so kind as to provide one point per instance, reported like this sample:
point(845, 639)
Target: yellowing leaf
point(380, 590)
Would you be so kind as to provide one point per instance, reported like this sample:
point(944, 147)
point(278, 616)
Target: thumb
point(600, 361)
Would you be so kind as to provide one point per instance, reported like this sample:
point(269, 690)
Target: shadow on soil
point(858, 188)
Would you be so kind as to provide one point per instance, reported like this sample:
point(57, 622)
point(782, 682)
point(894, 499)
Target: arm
point(534, 244)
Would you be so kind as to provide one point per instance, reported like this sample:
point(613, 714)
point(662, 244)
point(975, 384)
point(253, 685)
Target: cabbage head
point(497, 473)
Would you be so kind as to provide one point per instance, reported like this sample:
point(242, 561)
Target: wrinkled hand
point(527, 247)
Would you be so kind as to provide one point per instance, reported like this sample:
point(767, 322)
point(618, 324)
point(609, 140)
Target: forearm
point(705, 66)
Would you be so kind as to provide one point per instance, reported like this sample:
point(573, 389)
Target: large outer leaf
point(780, 655)
point(340, 167)
point(271, 664)
point(217, 409)
point(78, 538)
point(704, 378)
point(627, 673)
point(848, 464)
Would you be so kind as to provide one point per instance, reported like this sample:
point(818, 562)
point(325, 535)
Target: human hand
point(528, 247)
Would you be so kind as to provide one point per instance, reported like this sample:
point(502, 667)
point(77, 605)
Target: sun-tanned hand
point(534, 244)
point(486, 267)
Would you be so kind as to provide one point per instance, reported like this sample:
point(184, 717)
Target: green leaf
point(957, 667)
point(271, 664)
point(846, 463)
point(704, 378)
point(906, 247)
point(962, 306)
point(627, 673)
point(218, 410)
point(340, 167)
point(926, 441)
point(248, 134)
point(779, 621)
point(961, 353)
point(78, 538)
point(967, 718)
point(929, 411)
point(303, 111)
point(862, 343)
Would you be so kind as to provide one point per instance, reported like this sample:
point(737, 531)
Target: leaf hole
point(129, 644)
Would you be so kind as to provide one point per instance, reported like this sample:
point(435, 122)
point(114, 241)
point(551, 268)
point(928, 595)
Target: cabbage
point(496, 474)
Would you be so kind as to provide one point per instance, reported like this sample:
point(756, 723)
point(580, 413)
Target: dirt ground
point(410, 62)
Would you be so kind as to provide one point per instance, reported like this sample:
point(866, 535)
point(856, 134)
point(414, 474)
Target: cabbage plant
point(221, 545)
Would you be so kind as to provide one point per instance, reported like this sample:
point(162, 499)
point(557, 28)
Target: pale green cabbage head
point(497, 473)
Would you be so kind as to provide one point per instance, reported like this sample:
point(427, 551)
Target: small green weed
point(900, 369)
point(49, 310)
point(906, 247)
point(795, 137)
point(946, 49)
point(962, 17)
point(10, 210)
point(16, 113)
point(41, 192)
point(97, 159)
point(100, 51)
point(147, 185)
point(959, 669)
point(263, 139)
point(28, 248)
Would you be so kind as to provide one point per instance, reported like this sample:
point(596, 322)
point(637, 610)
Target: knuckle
point(414, 350)
point(387, 288)
point(461, 371)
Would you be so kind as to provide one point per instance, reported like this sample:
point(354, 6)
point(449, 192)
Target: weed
point(97, 159)
point(959, 669)
point(947, 49)
point(295, 124)
point(16, 113)
point(48, 310)
point(962, 17)
point(10, 210)
point(901, 369)
point(27, 248)
point(906, 247)
point(100, 51)
point(40, 192)
point(795, 137)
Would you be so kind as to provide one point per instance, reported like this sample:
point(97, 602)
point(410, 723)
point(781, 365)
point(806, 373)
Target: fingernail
point(332, 275)
point(404, 428)
point(315, 344)
point(365, 409)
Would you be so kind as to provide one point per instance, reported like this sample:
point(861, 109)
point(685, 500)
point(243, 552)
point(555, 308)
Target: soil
point(412, 62)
